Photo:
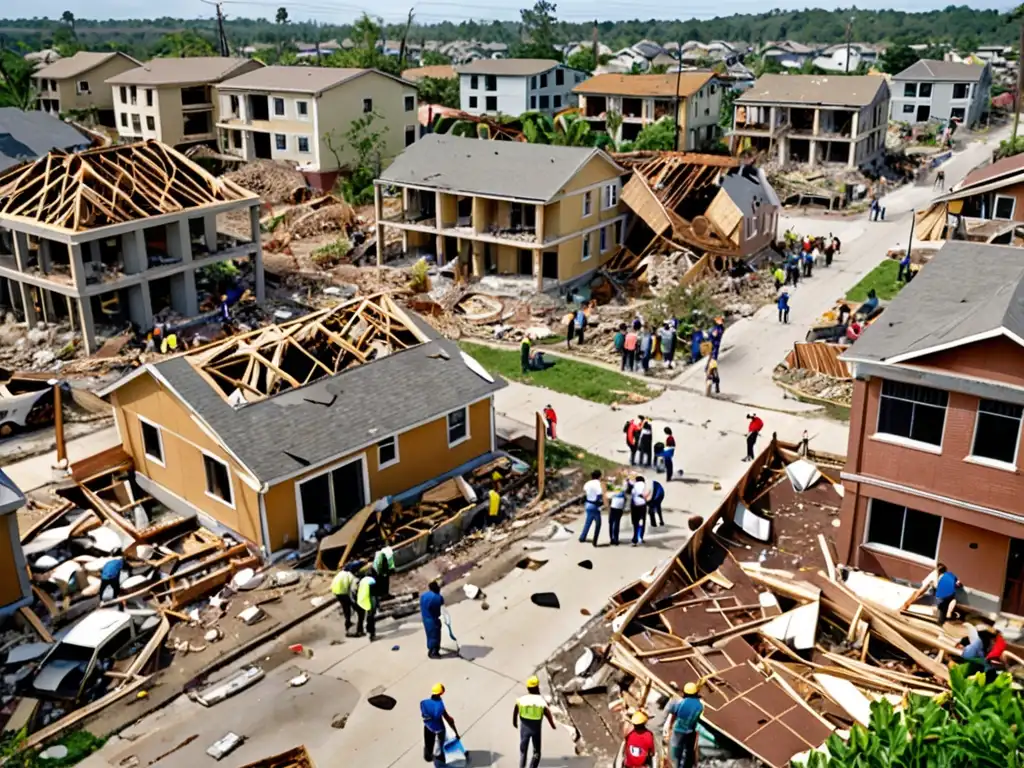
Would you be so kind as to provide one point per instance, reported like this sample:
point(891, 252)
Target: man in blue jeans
point(592, 506)
point(684, 714)
point(654, 504)
point(435, 716)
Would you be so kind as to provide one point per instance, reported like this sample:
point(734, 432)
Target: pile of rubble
point(817, 385)
point(273, 181)
point(38, 348)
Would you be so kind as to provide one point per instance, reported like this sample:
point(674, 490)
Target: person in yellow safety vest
point(384, 565)
point(494, 503)
point(366, 605)
point(344, 586)
point(527, 715)
point(169, 344)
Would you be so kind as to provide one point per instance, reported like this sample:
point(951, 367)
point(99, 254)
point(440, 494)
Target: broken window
point(903, 529)
point(912, 411)
point(218, 479)
point(152, 441)
point(387, 452)
point(491, 82)
point(150, 123)
point(458, 426)
point(410, 135)
point(997, 431)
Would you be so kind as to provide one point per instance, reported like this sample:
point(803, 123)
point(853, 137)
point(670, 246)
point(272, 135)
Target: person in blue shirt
point(430, 611)
point(945, 591)
point(110, 575)
point(684, 714)
point(581, 324)
point(717, 332)
point(654, 504)
point(435, 715)
point(783, 304)
point(696, 339)
point(904, 268)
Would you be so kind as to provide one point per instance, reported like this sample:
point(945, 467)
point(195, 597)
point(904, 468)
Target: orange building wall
point(10, 579)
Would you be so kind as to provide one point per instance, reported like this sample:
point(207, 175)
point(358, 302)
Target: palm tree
point(16, 89)
point(571, 130)
point(69, 18)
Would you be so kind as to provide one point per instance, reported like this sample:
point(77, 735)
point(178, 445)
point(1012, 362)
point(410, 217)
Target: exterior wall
point(517, 93)
point(698, 113)
point(941, 101)
point(14, 584)
point(99, 95)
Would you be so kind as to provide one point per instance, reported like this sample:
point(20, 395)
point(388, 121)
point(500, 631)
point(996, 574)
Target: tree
point(184, 44)
point(69, 18)
point(282, 16)
point(439, 90)
point(612, 123)
point(538, 27)
point(366, 139)
point(434, 59)
point(659, 136)
point(366, 32)
point(725, 113)
point(765, 66)
point(897, 58)
point(16, 88)
point(974, 724)
point(583, 59)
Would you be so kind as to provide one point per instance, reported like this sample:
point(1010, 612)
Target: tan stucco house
point(172, 100)
point(77, 84)
point(293, 113)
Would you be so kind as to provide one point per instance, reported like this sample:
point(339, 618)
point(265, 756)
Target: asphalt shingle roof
point(965, 290)
point(497, 168)
point(313, 80)
point(930, 69)
point(666, 86)
point(171, 71)
point(507, 67)
point(826, 90)
point(78, 64)
point(26, 136)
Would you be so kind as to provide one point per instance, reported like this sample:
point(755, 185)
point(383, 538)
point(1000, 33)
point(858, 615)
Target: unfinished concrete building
point(115, 234)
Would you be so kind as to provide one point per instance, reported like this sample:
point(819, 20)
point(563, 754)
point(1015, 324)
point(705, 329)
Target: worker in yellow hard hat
point(434, 717)
point(683, 716)
point(527, 715)
point(638, 751)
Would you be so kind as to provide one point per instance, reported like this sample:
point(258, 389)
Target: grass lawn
point(567, 376)
point(558, 455)
point(882, 278)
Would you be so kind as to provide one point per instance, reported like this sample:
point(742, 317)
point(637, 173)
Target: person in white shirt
point(594, 494)
point(638, 509)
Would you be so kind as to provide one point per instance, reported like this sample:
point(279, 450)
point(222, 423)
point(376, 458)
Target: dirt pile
point(274, 182)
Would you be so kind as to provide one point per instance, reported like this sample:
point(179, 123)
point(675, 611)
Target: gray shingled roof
point(11, 497)
point(81, 62)
point(368, 403)
point(966, 289)
point(172, 71)
point(497, 168)
point(826, 90)
point(507, 67)
point(942, 71)
point(313, 80)
point(26, 136)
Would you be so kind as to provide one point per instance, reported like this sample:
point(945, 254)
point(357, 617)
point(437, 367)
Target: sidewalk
point(36, 472)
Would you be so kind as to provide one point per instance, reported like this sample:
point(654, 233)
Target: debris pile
point(803, 382)
point(273, 181)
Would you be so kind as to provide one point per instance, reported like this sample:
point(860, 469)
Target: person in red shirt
point(552, 420)
point(632, 430)
point(997, 649)
point(753, 430)
point(639, 748)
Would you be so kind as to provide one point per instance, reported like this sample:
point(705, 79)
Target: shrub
point(330, 255)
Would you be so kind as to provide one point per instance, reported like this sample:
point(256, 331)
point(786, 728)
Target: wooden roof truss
point(254, 366)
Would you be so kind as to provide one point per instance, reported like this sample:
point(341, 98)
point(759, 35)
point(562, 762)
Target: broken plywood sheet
point(645, 204)
point(335, 549)
point(846, 695)
point(796, 628)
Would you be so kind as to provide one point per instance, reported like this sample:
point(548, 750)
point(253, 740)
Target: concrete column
point(71, 311)
point(813, 153)
point(855, 125)
point(179, 241)
point(479, 217)
point(257, 255)
point(45, 256)
point(46, 302)
point(77, 266)
point(378, 215)
point(538, 268)
point(210, 231)
point(29, 306)
point(852, 162)
point(437, 211)
point(772, 118)
point(21, 250)
point(817, 121)
point(439, 250)
point(88, 327)
point(133, 252)
point(478, 258)
point(782, 151)
point(539, 215)
point(140, 306)
point(183, 293)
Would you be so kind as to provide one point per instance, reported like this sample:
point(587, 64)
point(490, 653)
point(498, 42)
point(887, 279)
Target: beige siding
point(98, 95)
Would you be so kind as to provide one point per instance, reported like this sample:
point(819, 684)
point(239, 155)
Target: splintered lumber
point(30, 616)
point(846, 695)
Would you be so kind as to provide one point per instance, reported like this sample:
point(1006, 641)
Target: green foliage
point(330, 255)
point(767, 67)
point(538, 26)
point(978, 726)
point(1011, 146)
point(184, 44)
point(659, 136)
point(658, 69)
point(80, 745)
point(695, 306)
point(281, 17)
point(365, 137)
point(583, 60)
point(419, 279)
point(725, 114)
point(439, 90)
point(221, 274)
point(434, 59)
point(16, 88)
point(882, 278)
point(898, 57)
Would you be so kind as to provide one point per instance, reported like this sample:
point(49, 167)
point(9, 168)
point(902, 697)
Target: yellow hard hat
point(639, 717)
point(437, 690)
point(532, 682)
point(690, 689)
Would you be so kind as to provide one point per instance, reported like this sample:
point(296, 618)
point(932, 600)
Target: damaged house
point(15, 588)
point(296, 427)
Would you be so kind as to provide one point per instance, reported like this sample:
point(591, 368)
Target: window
point(997, 431)
point(410, 103)
point(303, 143)
point(544, 81)
point(604, 239)
point(474, 82)
point(611, 196)
point(586, 247)
point(960, 90)
point(410, 135)
point(152, 441)
point(124, 95)
point(908, 109)
point(124, 119)
point(533, 102)
point(557, 100)
point(491, 103)
point(1004, 207)
point(533, 82)
point(232, 104)
point(136, 125)
point(713, 89)
point(559, 77)
point(367, 106)
point(750, 227)
point(281, 141)
point(545, 102)
point(53, 85)
point(472, 102)
point(588, 203)
point(458, 426)
point(910, 90)
point(134, 93)
point(387, 451)
point(218, 479)
point(490, 82)
point(618, 232)
point(279, 107)
point(150, 123)
point(302, 107)
point(149, 99)
point(924, 90)
point(912, 411)
point(904, 530)
point(83, 86)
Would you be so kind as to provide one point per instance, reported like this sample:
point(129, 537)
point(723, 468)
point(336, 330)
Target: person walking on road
point(528, 715)
point(646, 457)
point(683, 716)
point(366, 600)
point(655, 498)
point(430, 611)
point(639, 749)
point(616, 508)
point(754, 428)
point(668, 454)
point(638, 509)
point(667, 338)
point(435, 715)
point(551, 419)
point(594, 494)
point(632, 430)
point(344, 588)
point(711, 378)
point(783, 303)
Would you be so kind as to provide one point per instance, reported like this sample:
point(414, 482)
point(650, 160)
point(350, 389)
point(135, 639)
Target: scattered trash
point(471, 591)
point(246, 579)
point(284, 578)
point(695, 521)
point(213, 635)
point(319, 600)
point(299, 680)
point(383, 701)
point(56, 752)
point(588, 564)
point(252, 614)
point(545, 599)
point(239, 681)
point(395, 647)
point(835, 522)
point(301, 650)
point(485, 605)
point(584, 611)
point(584, 662)
point(339, 721)
point(225, 745)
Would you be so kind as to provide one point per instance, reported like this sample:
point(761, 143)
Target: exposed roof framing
point(673, 176)
point(110, 185)
point(258, 365)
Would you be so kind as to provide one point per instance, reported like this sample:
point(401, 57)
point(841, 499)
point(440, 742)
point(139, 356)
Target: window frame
point(281, 142)
point(995, 207)
point(124, 119)
point(603, 240)
point(610, 196)
point(149, 97)
point(162, 460)
point(473, 102)
point(967, 92)
point(888, 549)
point(82, 86)
point(410, 103)
point(924, 91)
point(231, 483)
point(588, 204)
point(908, 109)
point(367, 106)
point(384, 465)
point(307, 150)
point(488, 100)
point(278, 101)
point(906, 440)
point(302, 109)
point(586, 252)
point(544, 80)
point(410, 129)
point(448, 424)
point(150, 123)
point(474, 82)
point(910, 90)
point(989, 461)
point(545, 101)
point(559, 76)
point(556, 101)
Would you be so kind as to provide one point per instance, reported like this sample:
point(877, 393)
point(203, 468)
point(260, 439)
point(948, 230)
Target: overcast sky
point(343, 11)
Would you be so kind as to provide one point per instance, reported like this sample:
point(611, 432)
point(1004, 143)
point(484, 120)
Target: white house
point(846, 58)
point(514, 86)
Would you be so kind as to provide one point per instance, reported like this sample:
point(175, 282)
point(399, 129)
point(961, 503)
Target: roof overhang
point(916, 354)
point(981, 187)
point(939, 379)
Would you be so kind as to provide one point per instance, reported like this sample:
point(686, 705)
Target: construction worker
point(366, 602)
point(683, 716)
point(524, 354)
point(430, 611)
point(170, 344)
point(344, 586)
point(527, 714)
point(435, 715)
point(638, 751)
point(384, 565)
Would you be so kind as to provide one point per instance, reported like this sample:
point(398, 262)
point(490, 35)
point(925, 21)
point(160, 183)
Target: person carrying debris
point(638, 509)
point(594, 500)
point(753, 432)
point(783, 304)
point(430, 611)
point(639, 749)
point(366, 606)
point(344, 587)
point(668, 454)
point(384, 566)
point(667, 338)
point(616, 507)
point(527, 715)
point(435, 715)
point(110, 575)
point(524, 353)
point(683, 716)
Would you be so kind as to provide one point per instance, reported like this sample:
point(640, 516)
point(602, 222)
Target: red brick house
point(933, 466)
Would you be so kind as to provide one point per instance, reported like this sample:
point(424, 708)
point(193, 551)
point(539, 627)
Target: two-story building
point(172, 100)
point(77, 85)
point(933, 469)
point(992, 193)
point(506, 207)
point(299, 113)
point(942, 90)
point(644, 99)
point(814, 119)
point(514, 86)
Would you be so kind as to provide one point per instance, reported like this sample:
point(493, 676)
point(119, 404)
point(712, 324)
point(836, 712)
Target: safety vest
point(343, 583)
point(383, 555)
point(531, 706)
point(169, 344)
point(494, 499)
point(364, 598)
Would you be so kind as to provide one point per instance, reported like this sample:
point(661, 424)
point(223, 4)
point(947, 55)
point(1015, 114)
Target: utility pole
point(1020, 86)
point(593, 37)
point(679, 77)
point(222, 38)
point(849, 32)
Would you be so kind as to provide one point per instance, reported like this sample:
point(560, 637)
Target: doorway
point(923, 113)
point(261, 144)
point(451, 251)
point(525, 259)
point(1013, 591)
point(331, 498)
point(549, 266)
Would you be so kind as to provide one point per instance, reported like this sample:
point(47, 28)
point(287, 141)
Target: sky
point(432, 11)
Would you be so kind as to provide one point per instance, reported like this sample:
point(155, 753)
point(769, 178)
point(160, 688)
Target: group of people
point(637, 344)
point(641, 497)
point(642, 449)
point(361, 594)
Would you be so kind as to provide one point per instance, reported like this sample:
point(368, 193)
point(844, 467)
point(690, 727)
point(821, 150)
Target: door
point(525, 262)
point(333, 497)
point(1013, 592)
point(261, 144)
point(549, 268)
point(923, 113)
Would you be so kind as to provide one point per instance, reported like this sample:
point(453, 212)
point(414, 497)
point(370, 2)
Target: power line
point(222, 38)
